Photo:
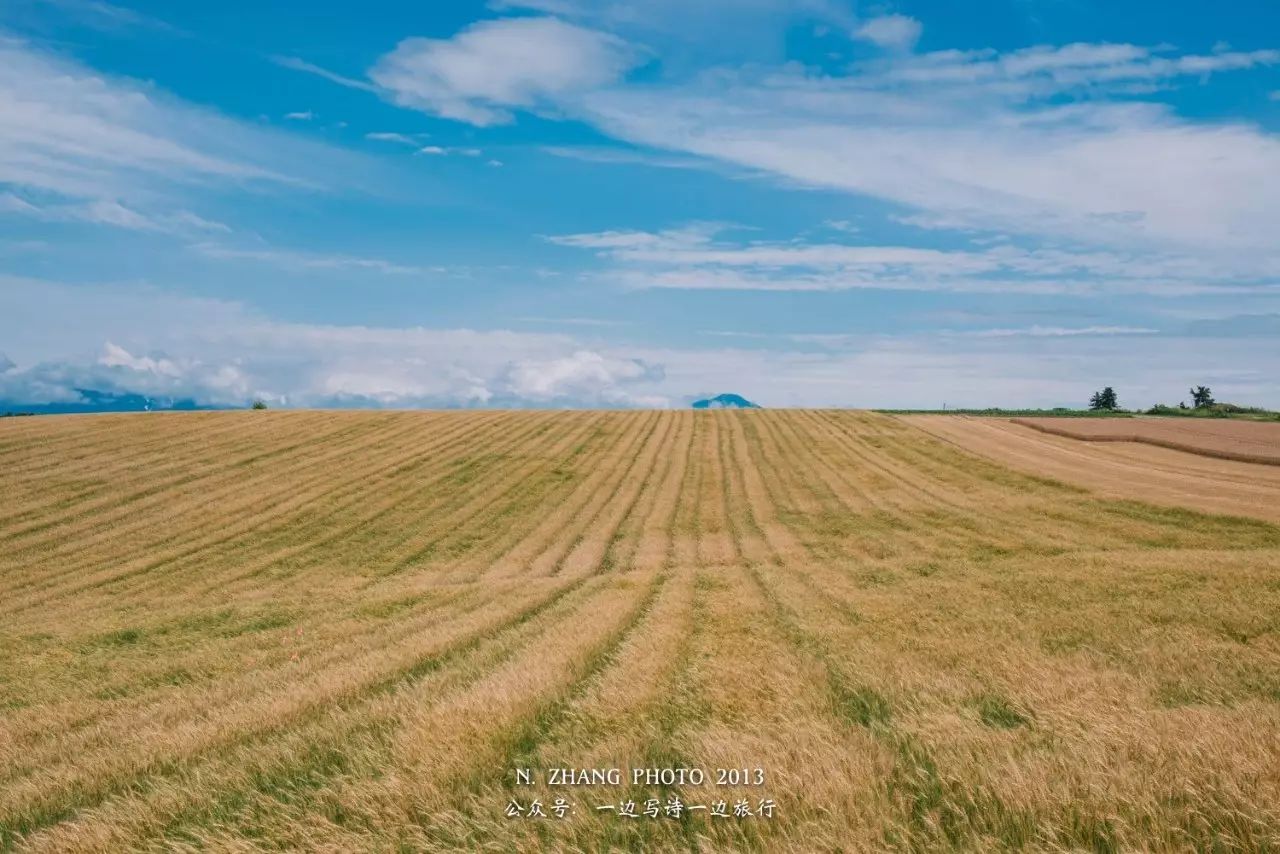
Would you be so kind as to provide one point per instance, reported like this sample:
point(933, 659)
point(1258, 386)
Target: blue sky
point(640, 202)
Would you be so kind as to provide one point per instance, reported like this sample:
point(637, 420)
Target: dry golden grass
point(343, 631)
point(1130, 470)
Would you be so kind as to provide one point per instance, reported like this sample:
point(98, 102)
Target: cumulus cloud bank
point(218, 353)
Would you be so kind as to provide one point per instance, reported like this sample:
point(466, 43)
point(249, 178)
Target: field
point(1122, 469)
point(1244, 441)
point(345, 631)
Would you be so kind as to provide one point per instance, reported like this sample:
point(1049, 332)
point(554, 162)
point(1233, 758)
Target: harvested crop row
point(354, 640)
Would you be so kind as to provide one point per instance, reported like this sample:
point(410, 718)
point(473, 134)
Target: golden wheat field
point(345, 631)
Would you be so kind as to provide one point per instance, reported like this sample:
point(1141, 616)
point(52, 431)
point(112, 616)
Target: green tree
point(1202, 396)
point(1104, 401)
point(259, 404)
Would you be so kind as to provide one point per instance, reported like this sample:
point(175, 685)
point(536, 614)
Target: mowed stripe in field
point(1119, 470)
point(1224, 438)
point(344, 630)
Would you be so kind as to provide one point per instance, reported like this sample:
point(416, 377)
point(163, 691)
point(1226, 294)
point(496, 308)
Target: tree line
point(1108, 401)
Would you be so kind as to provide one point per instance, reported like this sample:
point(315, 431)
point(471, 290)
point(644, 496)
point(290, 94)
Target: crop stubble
point(342, 630)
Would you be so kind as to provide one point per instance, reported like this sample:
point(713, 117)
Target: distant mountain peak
point(725, 401)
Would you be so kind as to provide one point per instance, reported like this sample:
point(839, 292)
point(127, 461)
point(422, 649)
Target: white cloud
point(898, 32)
point(302, 116)
point(978, 155)
point(296, 64)
point(442, 151)
point(713, 279)
point(215, 352)
point(711, 28)
point(582, 374)
point(299, 261)
point(79, 145)
point(696, 258)
point(1061, 331)
point(823, 255)
point(1044, 69)
point(112, 213)
point(976, 139)
point(107, 16)
point(690, 236)
point(926, 371)
point(114, 356)
point(70, 131)
point(478, 75)
point(601, 154)
point(574, 321)
point(402, 138)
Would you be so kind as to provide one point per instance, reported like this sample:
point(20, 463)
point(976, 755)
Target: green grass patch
point(1172, 695)
point(1183, 527)
point(118, 638)
point(859, 705)
point(150, 682)
point(998, 713)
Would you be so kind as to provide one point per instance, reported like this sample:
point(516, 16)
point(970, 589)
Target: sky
point(637, 203)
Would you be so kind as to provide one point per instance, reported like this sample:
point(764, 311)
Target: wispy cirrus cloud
point(443, 151)
point(711, 27)
point(111, 213)
point(846, 340)
point(297, 64)
point(79, 145)
point(303, 261)
point(972, 139)
point(1045, 69)
point(697, 257)
point(411, 139)
point(574, 321)
point(101, 15)
point(71, 131)
point(983, 161)
point(1060, 331)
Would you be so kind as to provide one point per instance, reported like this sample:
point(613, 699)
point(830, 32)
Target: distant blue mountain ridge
point(102, 401)
point(93, 400)
point(725, 401)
